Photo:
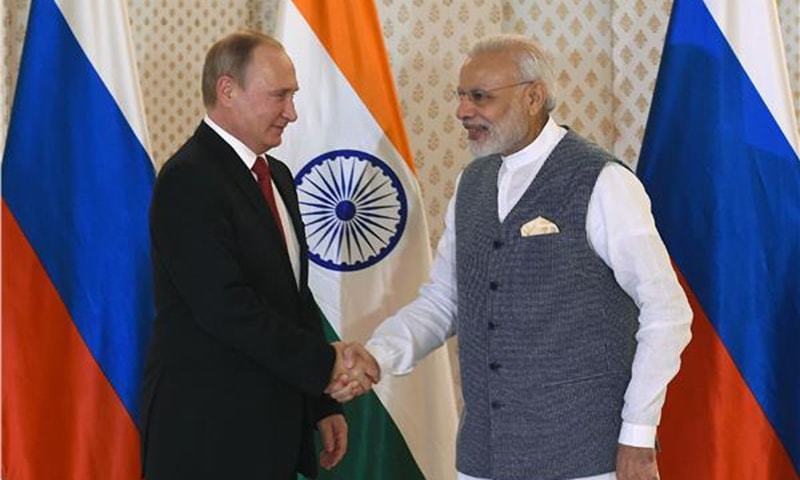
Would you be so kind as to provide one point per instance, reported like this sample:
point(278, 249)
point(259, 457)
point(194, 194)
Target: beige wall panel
point(14, 16)
point(578, 34)
point(427, 41)
point(789, 13)
point(171, 38)
point(639, 28)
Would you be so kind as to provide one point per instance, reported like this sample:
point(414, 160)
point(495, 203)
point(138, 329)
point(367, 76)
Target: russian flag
point(77, 300)
point(720, 162)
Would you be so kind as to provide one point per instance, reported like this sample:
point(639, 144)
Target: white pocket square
point(538, 226)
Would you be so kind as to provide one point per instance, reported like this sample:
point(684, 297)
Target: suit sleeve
point(324, 405)
point(327, 406)
point(193, 239)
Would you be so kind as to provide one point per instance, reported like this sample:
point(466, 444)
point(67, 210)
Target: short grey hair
point(534, 63)
point(231, 55)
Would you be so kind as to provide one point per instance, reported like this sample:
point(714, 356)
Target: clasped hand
point(354, 373)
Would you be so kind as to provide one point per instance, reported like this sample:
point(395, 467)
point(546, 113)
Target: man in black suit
point(238, 363)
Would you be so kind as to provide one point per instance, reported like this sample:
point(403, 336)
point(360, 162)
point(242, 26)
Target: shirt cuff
point(638, 435)
point(385, 358)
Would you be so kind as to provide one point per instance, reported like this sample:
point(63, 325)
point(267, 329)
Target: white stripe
point(331, 117)
point(753, 32)
point(103, 32)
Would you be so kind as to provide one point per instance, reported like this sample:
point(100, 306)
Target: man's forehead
point(488, 68)
point(271, 56)
point(271, 63)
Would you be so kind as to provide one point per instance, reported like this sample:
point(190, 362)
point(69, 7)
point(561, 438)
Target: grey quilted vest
point(546, 334)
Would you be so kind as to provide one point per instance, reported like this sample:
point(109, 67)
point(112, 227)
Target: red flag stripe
point(696, 435)
point(53, 390)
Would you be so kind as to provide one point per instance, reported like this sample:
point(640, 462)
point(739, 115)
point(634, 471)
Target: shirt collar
point(243, 151)
point(538, 149)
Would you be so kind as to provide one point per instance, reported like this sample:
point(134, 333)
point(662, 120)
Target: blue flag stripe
point(725, 186)
point(79, 181)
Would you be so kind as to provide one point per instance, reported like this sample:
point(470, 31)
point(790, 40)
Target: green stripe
point(376, 449)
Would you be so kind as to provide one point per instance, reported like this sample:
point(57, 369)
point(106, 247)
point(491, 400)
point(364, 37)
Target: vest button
point(497, 244)
point(494, 366)
point(493, 286)
point(492, 325)
point(496, 405)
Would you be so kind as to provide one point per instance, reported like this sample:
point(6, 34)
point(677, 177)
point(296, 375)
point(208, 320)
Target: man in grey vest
point(570, 318)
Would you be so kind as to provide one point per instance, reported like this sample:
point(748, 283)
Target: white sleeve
point(621, 230)
point(426, 323)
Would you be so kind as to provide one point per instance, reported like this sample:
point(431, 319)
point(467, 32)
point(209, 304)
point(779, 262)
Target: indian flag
point(366, 230)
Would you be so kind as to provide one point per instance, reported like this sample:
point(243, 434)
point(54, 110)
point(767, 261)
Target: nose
point(466, 109)
point(289, 112)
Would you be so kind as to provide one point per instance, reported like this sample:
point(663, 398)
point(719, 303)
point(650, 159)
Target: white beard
point(506, 133)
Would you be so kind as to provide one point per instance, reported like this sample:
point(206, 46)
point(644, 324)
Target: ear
point(226, 89)
point(535, 97)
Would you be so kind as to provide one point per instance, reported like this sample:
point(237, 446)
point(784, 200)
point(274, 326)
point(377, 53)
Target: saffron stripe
point(352, 36)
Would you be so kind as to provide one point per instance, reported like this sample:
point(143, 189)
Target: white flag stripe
point(105, 38)
point(753, 32)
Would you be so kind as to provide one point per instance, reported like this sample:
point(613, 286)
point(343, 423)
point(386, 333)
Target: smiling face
point(501, 112)
point(258, 109)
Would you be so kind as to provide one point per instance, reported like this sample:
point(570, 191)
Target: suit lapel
point(285, 185)
point(236, 171)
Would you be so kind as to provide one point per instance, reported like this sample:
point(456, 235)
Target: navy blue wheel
point(354, 209)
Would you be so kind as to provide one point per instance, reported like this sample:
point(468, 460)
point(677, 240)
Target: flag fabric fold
point(720, 162)
point(77, 296)
point(366, 230)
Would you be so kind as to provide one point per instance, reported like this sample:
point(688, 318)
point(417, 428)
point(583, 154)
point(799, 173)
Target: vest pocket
point(581, 379)
point(569, 350)
point(542, 254)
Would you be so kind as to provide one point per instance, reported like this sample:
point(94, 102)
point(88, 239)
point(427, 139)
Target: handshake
point(354, 372)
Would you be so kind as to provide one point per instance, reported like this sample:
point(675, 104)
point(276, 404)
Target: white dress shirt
point(249, 158)
point(621, 230)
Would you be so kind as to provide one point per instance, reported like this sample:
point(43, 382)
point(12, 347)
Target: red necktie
point(264, 178)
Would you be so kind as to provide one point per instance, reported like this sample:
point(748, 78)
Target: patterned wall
point(609, 52)
point(790, 21)
point(13, 18)
point(581, 34)
point(638, 37)
point(427, 40)
point(171, 38)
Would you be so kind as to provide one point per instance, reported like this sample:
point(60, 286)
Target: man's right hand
point(354, 372)
point(635, 463)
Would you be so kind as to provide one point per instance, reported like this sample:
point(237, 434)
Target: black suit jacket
point(237, 361)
